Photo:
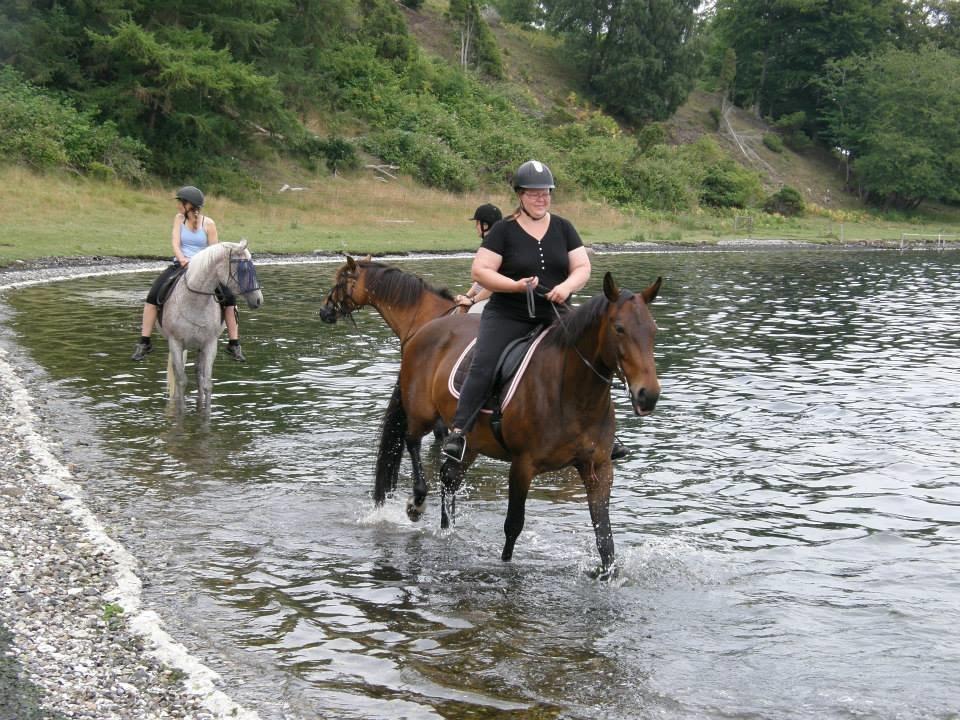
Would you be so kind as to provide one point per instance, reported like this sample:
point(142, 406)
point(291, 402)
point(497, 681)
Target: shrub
point(45, 131)
point(727, 184)
point(786, 201)
point(715, 117)
point(773, 142)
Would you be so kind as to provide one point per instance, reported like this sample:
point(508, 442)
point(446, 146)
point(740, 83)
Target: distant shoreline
point(86, 263)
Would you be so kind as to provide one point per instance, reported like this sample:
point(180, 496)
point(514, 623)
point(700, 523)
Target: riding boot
point(619, 451)
point(143, 349)
point(234, 351)
point(454, 446)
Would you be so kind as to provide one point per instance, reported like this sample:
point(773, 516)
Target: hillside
point(541, 81)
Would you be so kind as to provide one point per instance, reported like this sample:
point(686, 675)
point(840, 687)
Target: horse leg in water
point(176, 374)
point(598, 479)
point(205, 358)
point(416, 502)
point(451, 478)
point(521, 474)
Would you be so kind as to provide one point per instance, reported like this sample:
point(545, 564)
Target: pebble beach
point(75, 640)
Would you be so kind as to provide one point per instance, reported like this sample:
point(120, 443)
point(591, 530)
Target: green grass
point(62, 215)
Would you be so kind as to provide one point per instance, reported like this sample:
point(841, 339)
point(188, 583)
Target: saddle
point(164, 292)
point(511, 365)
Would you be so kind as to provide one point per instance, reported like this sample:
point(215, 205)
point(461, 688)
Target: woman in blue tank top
point(192, 232)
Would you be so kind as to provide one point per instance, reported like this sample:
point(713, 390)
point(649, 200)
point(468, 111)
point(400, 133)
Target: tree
point(477, 46)
point(783, 45)
point(896, 116)
point(641, 55)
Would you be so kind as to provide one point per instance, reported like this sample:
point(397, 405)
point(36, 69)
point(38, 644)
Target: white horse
point(193, 319)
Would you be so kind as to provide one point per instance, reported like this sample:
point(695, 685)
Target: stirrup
point(454, 446)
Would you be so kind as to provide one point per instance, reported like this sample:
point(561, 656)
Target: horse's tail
point(393, 433)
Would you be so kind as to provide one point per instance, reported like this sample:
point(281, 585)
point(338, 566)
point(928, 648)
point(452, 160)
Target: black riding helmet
point(191, 195)
point(533, 175)
point(487, 215)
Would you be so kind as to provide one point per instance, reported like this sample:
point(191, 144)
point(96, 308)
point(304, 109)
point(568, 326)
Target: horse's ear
point(242, 244)
point(610, 288)
point(368, 258)
point(351, 264)
point(651, 292)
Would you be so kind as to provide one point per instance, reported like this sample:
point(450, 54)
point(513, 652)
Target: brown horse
point(560, 415)
point(404, 301)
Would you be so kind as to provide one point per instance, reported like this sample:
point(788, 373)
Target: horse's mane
point(393, 285)
point(571, 326)
point(201, 263)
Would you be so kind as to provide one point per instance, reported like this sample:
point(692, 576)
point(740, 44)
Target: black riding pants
point(497, 330)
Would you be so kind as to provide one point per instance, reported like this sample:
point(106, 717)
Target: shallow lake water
point(786, 526)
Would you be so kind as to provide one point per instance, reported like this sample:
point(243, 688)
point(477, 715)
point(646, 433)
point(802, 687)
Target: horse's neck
point(584, 363)
point(405, 322)
point(205, 281)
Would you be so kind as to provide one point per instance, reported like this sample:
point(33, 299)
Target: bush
point(727, 184)
point(45, 131)
point(786, 201)
point(425, 158)
point(773, 142)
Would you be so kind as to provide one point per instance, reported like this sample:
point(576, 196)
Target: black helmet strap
point(526, 212)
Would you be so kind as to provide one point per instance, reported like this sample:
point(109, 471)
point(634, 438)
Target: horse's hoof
point(605, 573)
point(415, 509)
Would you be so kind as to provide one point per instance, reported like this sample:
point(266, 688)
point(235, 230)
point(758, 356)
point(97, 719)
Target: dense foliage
point(204, 91)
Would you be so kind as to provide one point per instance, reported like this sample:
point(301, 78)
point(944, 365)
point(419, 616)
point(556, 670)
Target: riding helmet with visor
point(533, 175)
point(191, 195)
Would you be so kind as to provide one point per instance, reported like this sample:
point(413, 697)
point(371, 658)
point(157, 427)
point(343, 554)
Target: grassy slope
point(62, 215)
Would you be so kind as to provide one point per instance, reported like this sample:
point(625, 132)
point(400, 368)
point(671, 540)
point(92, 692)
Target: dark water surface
point(786, 527)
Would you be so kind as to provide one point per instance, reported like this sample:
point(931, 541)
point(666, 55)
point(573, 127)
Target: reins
point(543, 290)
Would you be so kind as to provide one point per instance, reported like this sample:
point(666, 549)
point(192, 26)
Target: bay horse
point(403, 300)
point(561, 414)
point(192, 318)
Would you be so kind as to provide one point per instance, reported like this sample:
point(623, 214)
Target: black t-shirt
point(523, 256)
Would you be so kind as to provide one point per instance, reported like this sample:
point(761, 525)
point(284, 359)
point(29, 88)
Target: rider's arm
point(485, 270)
point(576, 279)
point(175, 240)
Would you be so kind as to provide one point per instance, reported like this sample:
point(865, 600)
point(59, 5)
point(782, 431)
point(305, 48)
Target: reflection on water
point(786, 527)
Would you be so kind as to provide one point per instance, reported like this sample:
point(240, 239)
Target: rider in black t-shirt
point(529, 248)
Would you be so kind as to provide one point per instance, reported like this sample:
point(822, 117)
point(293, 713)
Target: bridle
point(543, 290)
point(242, 272)
point(346, 306)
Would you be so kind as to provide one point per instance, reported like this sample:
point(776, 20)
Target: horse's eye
point(619, 328)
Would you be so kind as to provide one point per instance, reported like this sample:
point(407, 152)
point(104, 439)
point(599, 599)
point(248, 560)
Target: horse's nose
point(644, 401)
point(328, 315)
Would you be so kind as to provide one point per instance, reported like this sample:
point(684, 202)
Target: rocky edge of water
point(74, 641)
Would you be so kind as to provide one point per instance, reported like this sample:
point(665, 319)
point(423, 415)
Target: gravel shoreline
point(75, 641)
point(66, 649)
